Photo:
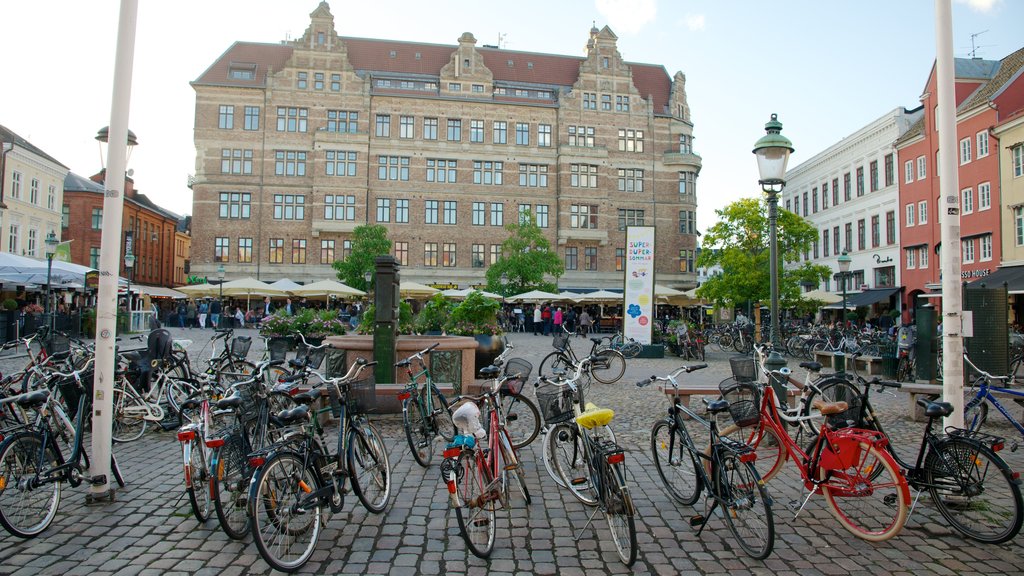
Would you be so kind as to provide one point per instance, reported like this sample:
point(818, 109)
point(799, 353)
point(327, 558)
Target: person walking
point(585, 322)
point(537, 318)
point(192, 319)
point(215, 314)
point(268, 306)
point(545, 316)
point(204, 309)
point(556, 320)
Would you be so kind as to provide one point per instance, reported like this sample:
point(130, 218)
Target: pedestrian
point(545, 316)
point(537, 318)
point(288, 308)
point(557, 319)
point(204, 309)
point(585, 323)
point(182, 310)
point(570, 319)
point(215, 314)
point(268, 306)
point(240, 317)
point(192, 314)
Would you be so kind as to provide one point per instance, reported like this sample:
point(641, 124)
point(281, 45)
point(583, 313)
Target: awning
point(865, 298)
point(158, 291)
point(1013, 276)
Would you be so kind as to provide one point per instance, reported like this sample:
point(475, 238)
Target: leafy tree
point(738, 243)
point(368, 242)
point(526, 258)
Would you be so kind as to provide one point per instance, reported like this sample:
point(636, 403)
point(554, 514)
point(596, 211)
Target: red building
point(153, 230)
point(985, 90)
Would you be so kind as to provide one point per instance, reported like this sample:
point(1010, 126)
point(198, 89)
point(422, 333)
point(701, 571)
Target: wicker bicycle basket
point(555, 403)
point(362, 394)
point(278, 348)
point(744, 400)
point(743, 368)
point(561, 340)
point(521, 369)
point(313, 357)
point(240, 346)
point(57, 344)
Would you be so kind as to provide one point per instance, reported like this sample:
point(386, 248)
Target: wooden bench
point(933, 392)
point(865, 365)
point(686, 391)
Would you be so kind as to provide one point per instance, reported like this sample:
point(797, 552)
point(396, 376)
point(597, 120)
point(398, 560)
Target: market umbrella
point(327, 288)
point(822, 296)
point(415, 290)
point(461, 294)
point(534, 296)
point(599, 296)
point(248, 287)
point(666, 292)
point(286, 285)
point(198, 290)
point(569, 296)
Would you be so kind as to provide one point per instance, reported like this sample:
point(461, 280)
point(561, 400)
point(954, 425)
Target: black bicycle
point(607, 364)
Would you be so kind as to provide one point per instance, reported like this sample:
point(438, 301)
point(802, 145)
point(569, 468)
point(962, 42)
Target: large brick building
point(300, 142)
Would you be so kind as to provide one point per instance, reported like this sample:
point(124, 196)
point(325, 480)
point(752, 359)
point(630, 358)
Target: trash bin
point(890, 359)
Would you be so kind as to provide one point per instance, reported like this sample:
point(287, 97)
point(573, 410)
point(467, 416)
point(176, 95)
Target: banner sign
point(92, 280)
point(638, 305)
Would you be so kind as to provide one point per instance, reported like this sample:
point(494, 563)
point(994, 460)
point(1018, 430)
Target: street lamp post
point(51, 249)
point(844, 271)
point(772, 151)
point(220, 287)
point(129, 264)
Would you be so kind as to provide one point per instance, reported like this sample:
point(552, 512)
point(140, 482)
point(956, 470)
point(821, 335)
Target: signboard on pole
point(638, 304)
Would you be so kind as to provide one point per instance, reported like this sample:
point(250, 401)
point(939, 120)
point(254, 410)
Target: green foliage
point(277, 324)
point(405, 319)
point(526, 259)
point(434, 314)
point(88, 321)
point(308, 322)
point(477, 314)
point(10, 304)
point(738, 243)
point(368, 242)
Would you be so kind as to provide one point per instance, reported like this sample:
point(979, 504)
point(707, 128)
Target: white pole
point(110, 247)
point(949, 216)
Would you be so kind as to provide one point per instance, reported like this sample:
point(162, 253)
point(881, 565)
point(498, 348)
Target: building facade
point(30, 197)
point(154, 231)
point(850, 193)
point(986, 90)
point(300, 142)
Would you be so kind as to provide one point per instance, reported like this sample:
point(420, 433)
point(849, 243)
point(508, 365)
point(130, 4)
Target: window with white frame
point(497, 214)
point(968, 250)
point(383, 210)
point(984, 196)
point(922, 167)
point(402, 211)
point(986, 247)
point(12, 240)
point(479, 213)
point(967, 201)
point(982, 138)
point(923, 257)
point(910, 214)
point(51, 197)
point(1017, 152)
point(922, 212)
point(340, 207)
point(15, 184)
point(908, 171)
point(291, 206)
point(1018, 225)
point(33, 191)
point(30, 246)
point(340, 163)
point(911, 254)
point(583, 175)
point(965, 151)
point(440, 170)
point(487, 172)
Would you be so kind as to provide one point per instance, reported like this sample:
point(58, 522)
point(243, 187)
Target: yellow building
point(31, 196)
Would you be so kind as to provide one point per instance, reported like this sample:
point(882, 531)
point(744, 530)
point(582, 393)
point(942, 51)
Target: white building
point(31, 196)
point(850, 193)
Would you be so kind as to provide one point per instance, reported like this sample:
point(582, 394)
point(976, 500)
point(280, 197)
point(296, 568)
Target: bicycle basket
point(362, 394)
point(278, 348)
point(744, 400)
point(555, 403)
point(71, 393)
point(311, 356)
point(560, 340)
point(848, 417)
point(520, 367)
point(743, 368)
point(240, 346)
point(57, 344)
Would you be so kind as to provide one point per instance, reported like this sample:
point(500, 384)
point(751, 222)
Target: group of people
point(547, 319)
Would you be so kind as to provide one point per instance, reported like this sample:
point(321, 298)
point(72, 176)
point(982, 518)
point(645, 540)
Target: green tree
point(526, 260)
point(738, 243)
point(368, 242)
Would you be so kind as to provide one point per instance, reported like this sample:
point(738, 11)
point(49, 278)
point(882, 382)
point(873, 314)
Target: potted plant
point(278, 329)
point(405, 322)
point(324, 323)
point(432, 317)
point(477, 316)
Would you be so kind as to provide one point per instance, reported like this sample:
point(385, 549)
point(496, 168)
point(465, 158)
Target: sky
point(826, 67)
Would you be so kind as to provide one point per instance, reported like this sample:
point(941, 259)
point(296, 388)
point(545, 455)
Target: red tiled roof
point(428, 59)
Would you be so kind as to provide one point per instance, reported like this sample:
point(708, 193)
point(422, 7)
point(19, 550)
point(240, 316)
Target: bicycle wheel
point(869, 497)
point(555, 361)
point(834, 390)
point(197, 479)
point(975, 411)
point(369, 468)
point(974, 490)
point(675, 463)
point(608, 366)
point(745, 501)
point(418, 431)
point(229, 486)
point(177, 392)
point(522, 419)
point(570, 462)
point(475, 509)
point(232, 371)
point(285, 524)
point(442, 417)
point(116, 471)
point(724, 342)
point(631, 349)
point(770, 449)
point(618, 511)
point(24, 512)
point(129, 413)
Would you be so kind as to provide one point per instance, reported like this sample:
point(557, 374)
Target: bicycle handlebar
point(418, 355)
point(320, 346)
point(672, 375)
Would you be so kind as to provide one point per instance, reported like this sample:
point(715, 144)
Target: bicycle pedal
point(579, 481)
point(696, 521)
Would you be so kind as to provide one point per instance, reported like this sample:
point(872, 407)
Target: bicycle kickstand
point(699, 521)
point(590, 521)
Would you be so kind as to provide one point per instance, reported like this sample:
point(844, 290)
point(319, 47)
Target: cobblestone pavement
point(149, 528)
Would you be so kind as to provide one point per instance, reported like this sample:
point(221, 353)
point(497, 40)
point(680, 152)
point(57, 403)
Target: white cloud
point(627, 16)
point(694, 22)
point(980, 5)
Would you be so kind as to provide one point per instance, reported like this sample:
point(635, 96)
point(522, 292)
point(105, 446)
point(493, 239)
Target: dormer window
point(242, 71)
point(320, 38)
point(465, 62)
point(604, 62)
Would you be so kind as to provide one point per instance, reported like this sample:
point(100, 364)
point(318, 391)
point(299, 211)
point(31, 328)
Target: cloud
point(627, 16)
point(694, 22)
point(980, 5)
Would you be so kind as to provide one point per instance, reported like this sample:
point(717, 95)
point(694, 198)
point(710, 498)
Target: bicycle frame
point(984, 394)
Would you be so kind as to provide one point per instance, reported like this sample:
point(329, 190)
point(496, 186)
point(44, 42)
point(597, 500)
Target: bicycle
point(521, 416)
point(628, 347)
point(592, 468)
point(725, 470)
point(478, 478)
point(607, 365)
point(33, 468)
point(425, 411)
point(296, 478)
point(976, 404)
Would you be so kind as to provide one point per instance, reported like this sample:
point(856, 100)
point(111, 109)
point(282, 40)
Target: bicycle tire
point(974, 490)
point(555, 361)
point(747, 506)
point(631, 349)
point(771, 452)
point(116, 471)
point(570, 461)
point(476, 517)
point(369, 468)
point(862, 501)
point(674, 462)
point(197, 479)
point(618, 511)
point(507, 457)
point(26, 513)
point(522, 419)
point(178, 391)
point(128, 416)
point(232, 371)
point(608, 367)
point(832, 389)
point(724, 342)
point(442, 417)
point(229, 486)
point(277, 520)
point(418, 431)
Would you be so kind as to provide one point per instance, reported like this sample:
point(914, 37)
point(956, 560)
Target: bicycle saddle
point(190, 404)
point(307, 397)
point(228, 403)
point(596, 340)
point(489, 371)
point(595, 416)
point(829, 408)
point(285, 417)
point(716, 406)
point(33, 399)
point(812, 366)
point(935, 409)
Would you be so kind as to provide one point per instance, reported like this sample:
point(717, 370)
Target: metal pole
point(842, 278)
point(949, 217)
point(773, 270)
point(49, 271)
point(110, 243)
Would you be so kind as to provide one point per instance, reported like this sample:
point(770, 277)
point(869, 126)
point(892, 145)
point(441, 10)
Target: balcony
point(583, 235)
point(681, 159)
point(320, 225)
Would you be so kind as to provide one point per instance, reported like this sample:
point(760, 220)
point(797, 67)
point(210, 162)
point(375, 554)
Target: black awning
point(1013, 276)
point(865, 298)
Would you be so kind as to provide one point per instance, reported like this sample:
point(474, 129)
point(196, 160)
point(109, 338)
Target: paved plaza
point(149, 529)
